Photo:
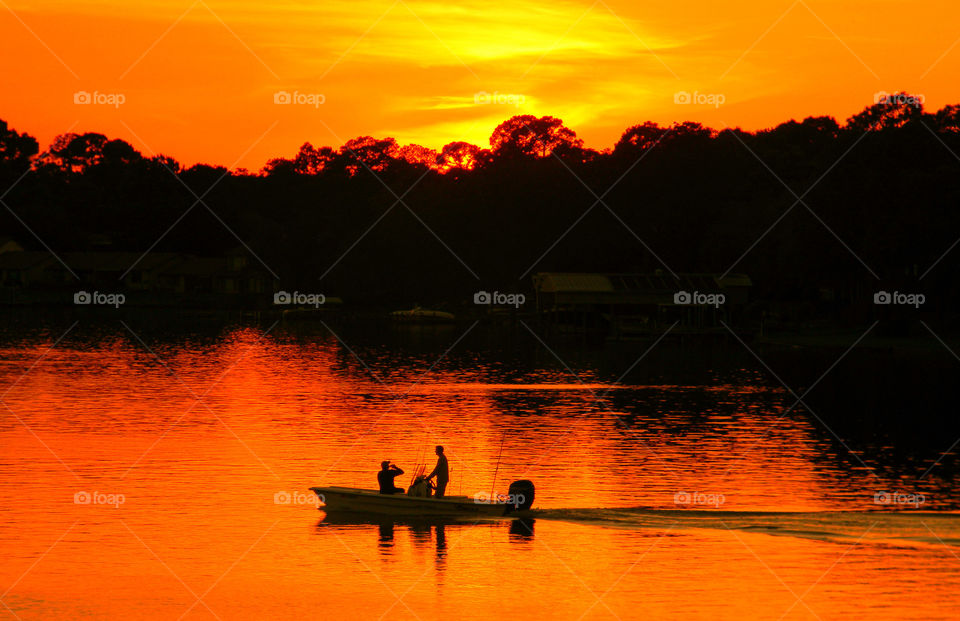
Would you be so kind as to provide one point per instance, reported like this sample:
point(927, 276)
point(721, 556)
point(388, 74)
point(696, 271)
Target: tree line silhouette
point(805, 207)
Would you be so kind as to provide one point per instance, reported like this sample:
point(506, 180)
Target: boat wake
point(910, 529)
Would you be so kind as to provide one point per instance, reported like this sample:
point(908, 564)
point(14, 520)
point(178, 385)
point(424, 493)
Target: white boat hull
point(422, 315)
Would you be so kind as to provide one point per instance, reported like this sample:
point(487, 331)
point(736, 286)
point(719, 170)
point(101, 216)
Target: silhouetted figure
point(389, 472)
point(441, 472)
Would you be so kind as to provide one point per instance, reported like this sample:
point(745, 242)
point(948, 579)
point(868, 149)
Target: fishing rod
point(417, 466)
point(497, 469)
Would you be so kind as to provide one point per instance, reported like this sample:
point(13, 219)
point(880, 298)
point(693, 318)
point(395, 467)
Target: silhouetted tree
point(639, 138)
point(75, 152)
point(529, 136)
point(459, 155)
point(689, 130)
point(947, 119)
point(418, 155)
point(699, 199)
point(367, 152)
point(166, 163)
point(891, 112)
point(279, 167)
point(201, 177)
point(312, 161)
point(15, 150)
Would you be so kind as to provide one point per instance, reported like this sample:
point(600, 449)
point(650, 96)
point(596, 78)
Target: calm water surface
point(166, 477)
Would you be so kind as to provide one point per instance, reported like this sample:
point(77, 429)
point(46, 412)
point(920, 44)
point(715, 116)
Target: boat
point(422, 315)
point(306, 313)
point(516, 503)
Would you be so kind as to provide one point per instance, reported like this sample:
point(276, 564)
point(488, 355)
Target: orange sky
point(198, 78)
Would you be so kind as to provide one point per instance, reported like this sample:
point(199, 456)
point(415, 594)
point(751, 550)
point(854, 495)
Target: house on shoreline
point(148, 279)
point(627, 305)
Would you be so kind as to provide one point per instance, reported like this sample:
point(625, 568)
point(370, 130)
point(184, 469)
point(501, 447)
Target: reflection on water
point(522, 529)
point(133, 460)
point(420, 532)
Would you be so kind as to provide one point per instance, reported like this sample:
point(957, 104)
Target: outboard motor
point(520, 496)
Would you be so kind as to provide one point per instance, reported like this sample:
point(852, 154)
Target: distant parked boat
point(307, 313)
point(422, 315)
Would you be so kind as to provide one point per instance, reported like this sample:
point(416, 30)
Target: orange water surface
point(167, 478)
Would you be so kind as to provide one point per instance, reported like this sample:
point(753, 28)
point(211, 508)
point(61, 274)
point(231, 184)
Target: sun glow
point(199, 81)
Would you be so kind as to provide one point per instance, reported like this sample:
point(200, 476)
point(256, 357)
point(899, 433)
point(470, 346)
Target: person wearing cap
point(389, 472)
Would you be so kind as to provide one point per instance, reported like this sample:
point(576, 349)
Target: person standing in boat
point(441, 472)
point(389, 472)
